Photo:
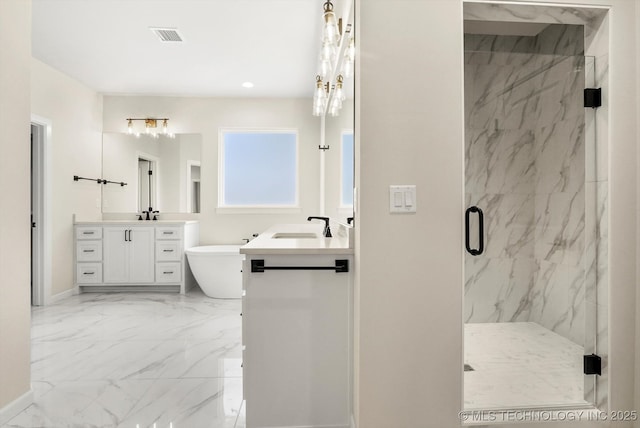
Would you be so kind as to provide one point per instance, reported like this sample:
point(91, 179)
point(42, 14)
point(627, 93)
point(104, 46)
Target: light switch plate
point(402, 198)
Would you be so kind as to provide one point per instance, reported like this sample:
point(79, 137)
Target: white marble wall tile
point(531, 13)
point(561, 39)
point(559, 156)
point(496, 289)
point(499, 44)
point(499, 161)
point(484, 103)
point(559, 230)
point(558, 300)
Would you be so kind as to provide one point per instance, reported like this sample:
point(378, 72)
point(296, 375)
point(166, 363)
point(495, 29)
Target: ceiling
point(107, 45)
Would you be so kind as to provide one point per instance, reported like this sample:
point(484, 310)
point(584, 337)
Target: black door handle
point(125, 235)
point(467, 214)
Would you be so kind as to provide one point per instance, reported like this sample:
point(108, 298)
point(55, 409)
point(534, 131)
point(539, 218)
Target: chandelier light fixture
point(336, 62)
point(150, 127)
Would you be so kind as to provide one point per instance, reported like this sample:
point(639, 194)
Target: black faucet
point(150, 211)
point(155, 214)
point(327, 231)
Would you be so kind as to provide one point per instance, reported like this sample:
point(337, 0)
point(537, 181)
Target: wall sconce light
point(150, 127)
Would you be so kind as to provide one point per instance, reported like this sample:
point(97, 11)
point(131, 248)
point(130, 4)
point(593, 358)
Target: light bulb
point(165, 127)
point(325, 66)
point(335, 107)
point(351, 50)
point(130, 127)
point(328, 51)
point(320, 94)
point(330, 32)
point(339, 93)
point(347, 68)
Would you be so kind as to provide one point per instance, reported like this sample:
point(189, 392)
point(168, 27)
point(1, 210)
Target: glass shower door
point(532, 227)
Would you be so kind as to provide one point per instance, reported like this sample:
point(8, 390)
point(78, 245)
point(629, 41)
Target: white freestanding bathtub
point(217, 269)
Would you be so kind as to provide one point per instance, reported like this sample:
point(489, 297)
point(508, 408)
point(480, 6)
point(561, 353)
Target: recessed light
point(247, 85)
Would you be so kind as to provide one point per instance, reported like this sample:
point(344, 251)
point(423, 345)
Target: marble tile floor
point(136, 360)
point(520, 365)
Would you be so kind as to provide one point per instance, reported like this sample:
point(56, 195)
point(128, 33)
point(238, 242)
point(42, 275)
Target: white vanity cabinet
point(128, 255)
point(145, 255)
point(297, 334)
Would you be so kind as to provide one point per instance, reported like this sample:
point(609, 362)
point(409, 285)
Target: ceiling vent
point(167, 34)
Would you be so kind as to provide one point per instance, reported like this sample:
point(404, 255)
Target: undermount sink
point(295, 235)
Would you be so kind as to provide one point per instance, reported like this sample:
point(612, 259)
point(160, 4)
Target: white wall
point(75, 112)
point(206, 116)
point(15, 57)
point(409, 131)
point(409, 268)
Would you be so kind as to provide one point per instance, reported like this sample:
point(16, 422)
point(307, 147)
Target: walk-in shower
point(534, 220)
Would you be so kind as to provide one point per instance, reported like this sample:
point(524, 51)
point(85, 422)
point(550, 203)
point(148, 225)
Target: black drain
point(468, 368)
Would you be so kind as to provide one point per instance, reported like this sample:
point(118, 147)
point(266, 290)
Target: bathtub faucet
point(327, 230)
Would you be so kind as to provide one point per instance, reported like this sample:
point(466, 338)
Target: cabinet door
point(296, 329)
point(141, 255)
point(115, 253)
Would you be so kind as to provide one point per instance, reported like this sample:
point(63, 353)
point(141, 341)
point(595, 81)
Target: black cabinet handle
point(125, 235)
point(167, 251)
point(467, 214)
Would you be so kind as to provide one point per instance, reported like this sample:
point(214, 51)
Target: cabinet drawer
point(89, 273)
point(89, 251)
point(168, 251)
point(168, 232)
point(168, 272)
point(88, 232)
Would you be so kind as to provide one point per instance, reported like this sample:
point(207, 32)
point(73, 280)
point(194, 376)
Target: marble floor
point(520, 365)
point(137, 361)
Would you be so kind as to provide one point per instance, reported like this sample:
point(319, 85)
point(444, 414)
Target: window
point(346, 182)
point(258, 169)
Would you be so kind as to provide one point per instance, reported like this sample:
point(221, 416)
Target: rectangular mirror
point(162, 172)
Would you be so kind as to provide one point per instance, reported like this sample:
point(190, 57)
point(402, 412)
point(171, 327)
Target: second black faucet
point(327, 230)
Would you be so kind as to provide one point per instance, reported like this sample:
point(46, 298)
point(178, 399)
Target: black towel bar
point(340, 266)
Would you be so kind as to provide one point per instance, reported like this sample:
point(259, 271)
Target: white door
point(141, 254)
point(116, 254)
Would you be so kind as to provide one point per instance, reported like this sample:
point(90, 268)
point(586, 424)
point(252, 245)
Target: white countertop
point(265, 243)
point(134, 221)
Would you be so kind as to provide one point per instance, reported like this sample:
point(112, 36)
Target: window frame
point(256, 209)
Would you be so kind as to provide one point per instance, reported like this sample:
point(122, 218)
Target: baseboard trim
point(60, 296)
point(12, 409)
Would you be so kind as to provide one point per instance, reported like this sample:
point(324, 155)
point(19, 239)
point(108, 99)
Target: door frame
point(41, 207)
